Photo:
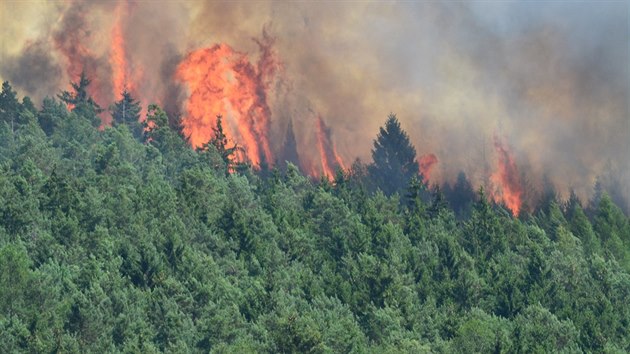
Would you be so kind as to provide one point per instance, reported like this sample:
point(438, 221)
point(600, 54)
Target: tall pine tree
point(289, 153)
point(219, 143)
point(394, 158)
point(81, 102)
point(9, 104)
point(127, 111)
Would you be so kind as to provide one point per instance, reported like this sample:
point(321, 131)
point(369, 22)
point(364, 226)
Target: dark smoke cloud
point(33, 70)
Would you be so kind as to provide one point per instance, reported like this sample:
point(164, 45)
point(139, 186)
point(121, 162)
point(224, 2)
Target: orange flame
point(123, 78)
point(426, 164)
point(223, 81)
point(506, 179)
point(330, 159)
point(118, 57)
point(70, 40)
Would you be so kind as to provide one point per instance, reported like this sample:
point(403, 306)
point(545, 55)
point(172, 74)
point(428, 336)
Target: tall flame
point(426, 164)
point(223, 81)
point(330, 159)
point(506, 180)
point(118, 56)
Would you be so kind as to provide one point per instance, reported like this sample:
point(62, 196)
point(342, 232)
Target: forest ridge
point(126, 239)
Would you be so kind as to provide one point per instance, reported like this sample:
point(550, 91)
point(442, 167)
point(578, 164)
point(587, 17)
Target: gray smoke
point(551, 78)
point(33, 70)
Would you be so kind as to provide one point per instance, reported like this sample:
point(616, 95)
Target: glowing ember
point(223, 81)
point(506, 180)
point(426, 164)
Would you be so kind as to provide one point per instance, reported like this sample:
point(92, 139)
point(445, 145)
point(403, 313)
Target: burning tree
point(9, 104)
point(219, 142)
point(80, 100)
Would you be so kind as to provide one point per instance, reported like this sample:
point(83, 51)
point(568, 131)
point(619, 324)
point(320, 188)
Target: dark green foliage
point(127, 111)
point(51, 115)
point(394, 158)
point(111, 244)
point(613, 229)
point(219, 144)
point(80, 100)
point(12, 112)
point(539, 331)
point(289, 153)
point(581, 227)
point(9, 104)
point(460, 196)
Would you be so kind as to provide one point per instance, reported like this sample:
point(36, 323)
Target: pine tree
point(157, 132)
point(414, 196)
point(80, 101)
point(12, 111)
point(394, 158)
point(177, 125)
point(580, 226)
point(127, 111)
point(9, 104)
point(613, 229)
point(219, 142)
point(461, 195)
point(289, 152)
point(438, 203)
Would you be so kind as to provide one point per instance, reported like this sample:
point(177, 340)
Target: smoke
point(552, 78)
point(33, 70)
point(46, 45)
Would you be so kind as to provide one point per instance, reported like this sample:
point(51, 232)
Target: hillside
point(114, 242)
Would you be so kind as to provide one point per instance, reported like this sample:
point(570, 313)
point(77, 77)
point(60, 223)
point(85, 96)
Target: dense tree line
point(126, 239)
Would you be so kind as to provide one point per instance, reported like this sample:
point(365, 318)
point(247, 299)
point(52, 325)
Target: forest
point(126, 239)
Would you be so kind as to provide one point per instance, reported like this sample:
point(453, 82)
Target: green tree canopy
point(394, 158)
point(127, 111)
point(80, 101)
point(219, 143)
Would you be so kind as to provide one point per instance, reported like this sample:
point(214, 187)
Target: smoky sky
point(550, 78)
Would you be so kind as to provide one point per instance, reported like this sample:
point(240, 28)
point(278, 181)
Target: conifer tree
point(394, 158)
point(157, 132)
point(11, 110)
point(80, 101)
point(9, 104)
point(127, 111)
point(289, 152)
point(461, 195)
point(177, 125)
point(219, 142)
